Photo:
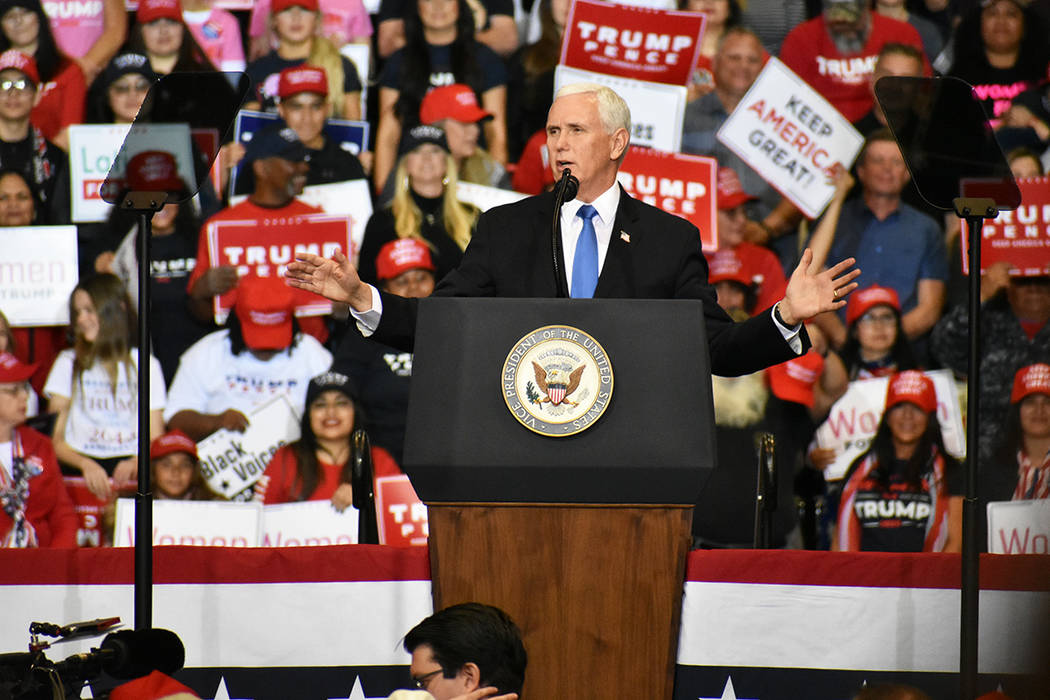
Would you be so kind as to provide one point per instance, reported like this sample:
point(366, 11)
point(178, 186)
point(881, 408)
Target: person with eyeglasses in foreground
point(23, 146)
point(467, 652)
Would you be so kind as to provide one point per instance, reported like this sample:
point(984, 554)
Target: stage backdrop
point(325, 623)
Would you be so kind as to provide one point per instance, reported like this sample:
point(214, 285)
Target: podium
point(581, 538)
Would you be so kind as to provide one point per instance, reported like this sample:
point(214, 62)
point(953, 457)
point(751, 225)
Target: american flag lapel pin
point(624, 236)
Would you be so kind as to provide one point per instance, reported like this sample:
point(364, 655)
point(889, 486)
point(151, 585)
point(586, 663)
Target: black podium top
point(653, 444)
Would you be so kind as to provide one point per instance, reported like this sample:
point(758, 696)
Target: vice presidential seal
point(557, 381)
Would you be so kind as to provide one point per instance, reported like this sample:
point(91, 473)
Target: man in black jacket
point(639, 251)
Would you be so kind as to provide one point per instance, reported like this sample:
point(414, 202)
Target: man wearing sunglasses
point(22, 146)
point(467, 652)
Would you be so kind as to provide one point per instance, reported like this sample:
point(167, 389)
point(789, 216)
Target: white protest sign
point(360, 55)
point(853, 420)
point(307, 524)
point(192, 523)
point(232, 462)
point(93, 150)
point(657, 109)
point(38, 271)
point(791, 136)
point(484, 197)
point(1019, 527)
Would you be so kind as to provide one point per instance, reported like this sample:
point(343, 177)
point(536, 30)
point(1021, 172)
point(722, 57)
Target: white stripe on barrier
point(856, 628)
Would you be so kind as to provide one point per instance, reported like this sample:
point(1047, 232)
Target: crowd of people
point(459, 92)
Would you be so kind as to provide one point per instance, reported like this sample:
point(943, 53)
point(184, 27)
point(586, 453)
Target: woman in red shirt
point(318, 466)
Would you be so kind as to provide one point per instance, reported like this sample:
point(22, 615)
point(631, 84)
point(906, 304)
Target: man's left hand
point(811, 293)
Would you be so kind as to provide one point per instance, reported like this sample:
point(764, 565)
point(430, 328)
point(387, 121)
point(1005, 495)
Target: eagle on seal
point(556, 385)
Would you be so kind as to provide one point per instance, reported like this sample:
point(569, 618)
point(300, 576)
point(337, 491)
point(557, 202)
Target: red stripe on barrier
point(174, 564)
point(876, 569)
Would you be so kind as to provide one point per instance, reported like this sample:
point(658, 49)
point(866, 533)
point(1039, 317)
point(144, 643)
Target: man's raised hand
point(333, 278)
point(810, 293)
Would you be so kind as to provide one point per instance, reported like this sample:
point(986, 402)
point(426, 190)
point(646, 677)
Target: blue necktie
point(585, 260)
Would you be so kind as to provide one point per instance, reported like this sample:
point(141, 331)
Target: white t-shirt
point(103, 423)
point(211, 379)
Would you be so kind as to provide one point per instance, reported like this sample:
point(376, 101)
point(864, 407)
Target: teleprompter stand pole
point(974, 210)
point(145, 204)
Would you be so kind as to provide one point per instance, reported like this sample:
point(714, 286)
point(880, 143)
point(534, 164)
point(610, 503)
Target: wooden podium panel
point(596, 590)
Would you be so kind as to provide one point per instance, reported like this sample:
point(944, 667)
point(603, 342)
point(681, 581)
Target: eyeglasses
point(20, 85)
point(422, 681)
point(870, 319)
point(15, 389)
point(124, 89)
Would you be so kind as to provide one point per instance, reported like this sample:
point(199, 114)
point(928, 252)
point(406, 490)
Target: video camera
point(124, 654)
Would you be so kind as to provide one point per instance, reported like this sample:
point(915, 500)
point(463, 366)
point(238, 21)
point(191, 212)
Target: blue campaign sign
point(350, 135)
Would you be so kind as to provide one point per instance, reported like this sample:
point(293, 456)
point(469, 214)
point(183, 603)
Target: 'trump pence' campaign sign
point(264, 247)
point(657, 110)
point(791, 136)
point(659, 46)
point(1020, 237)
point(679, 184)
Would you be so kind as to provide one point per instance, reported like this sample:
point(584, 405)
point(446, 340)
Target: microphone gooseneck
point(564, 191)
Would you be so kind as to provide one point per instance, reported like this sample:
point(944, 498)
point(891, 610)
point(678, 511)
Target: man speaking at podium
point(613, 247)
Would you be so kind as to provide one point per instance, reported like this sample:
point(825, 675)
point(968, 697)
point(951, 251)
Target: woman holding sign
point(318, 465)
point(902, 494)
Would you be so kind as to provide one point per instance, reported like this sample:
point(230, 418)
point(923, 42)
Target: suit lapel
point(615, 279)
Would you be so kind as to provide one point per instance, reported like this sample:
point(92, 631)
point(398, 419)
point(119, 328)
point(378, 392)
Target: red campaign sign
point(677, 183)
point(90, 512)
point(207, 140)
point(402, 516)
point(264, 247)
point(1020, 237)
point(659, 46)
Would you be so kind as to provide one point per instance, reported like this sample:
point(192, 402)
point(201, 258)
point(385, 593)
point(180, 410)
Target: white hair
point(612, 110)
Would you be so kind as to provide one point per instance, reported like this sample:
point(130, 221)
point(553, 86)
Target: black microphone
point(568, 186)
point(129, 654)
point(564, 191)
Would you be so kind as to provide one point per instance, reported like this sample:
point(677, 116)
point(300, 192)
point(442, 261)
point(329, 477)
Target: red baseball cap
point(155, 686)
point(13, 370)
point(1033, 379)
point(282, 5)
point(152, 10)
point(12, 59)
point(864, 299)
point(726, 265)
point(731, 193)
point(456, 101)
point(154, 171)
point(914, 387)
point(264, 307)
point(793, 380)
point(171, 442)
point(302, 78)
point(402, 255)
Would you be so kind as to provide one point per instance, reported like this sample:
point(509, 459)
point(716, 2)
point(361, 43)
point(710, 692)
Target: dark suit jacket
point(652, 255)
